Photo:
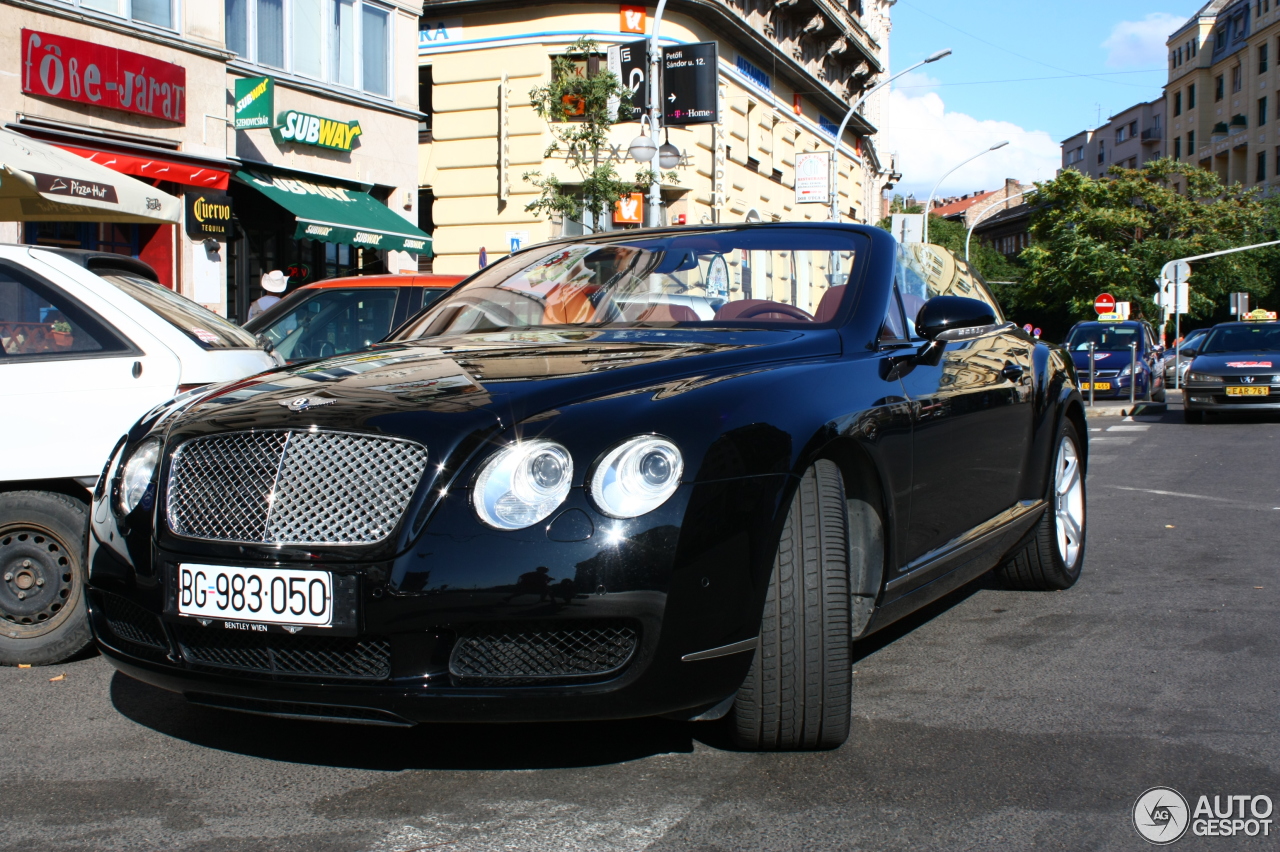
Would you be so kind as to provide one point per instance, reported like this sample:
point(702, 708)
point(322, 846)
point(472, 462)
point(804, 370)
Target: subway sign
point(304, 129)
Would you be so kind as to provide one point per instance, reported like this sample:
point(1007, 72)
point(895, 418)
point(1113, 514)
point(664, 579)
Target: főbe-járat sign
point(313, 130)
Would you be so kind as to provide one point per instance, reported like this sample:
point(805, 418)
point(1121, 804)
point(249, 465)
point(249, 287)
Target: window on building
point(1102, 150)
point(1194, 48)
point(347, 42)
point(161, 13)
point(1277, 161)
point(1177, 147)
point(1177, 103)
point(1155, 121)
point(1237, 80)
point(1262, 167)
point(425, 92)
point(1217, 88)
point(1191, 143)
point(1122, 133)
point(1191, 96)
point(1262, 58)
point(1262, 111)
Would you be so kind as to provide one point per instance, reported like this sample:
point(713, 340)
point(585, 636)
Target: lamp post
point(929, 204)
point(655, 116)
point(983, 216)
point(835, 147)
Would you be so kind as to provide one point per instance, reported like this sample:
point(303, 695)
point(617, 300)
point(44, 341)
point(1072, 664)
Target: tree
point(989, 263)
point(1115, 234)
point(579, 108)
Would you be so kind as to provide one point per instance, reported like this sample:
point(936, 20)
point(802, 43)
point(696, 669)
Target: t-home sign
point(313, 130)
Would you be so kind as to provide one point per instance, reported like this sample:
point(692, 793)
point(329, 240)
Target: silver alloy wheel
point(1068, 502)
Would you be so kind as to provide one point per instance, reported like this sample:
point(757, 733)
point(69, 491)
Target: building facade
point(786, 74)
point(1129, 139)
point(149, 88)
point(1221, 91)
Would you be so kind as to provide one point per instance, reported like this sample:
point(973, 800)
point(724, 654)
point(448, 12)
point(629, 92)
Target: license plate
point(1096, 386)
point(267, 595)
point(1242, 391)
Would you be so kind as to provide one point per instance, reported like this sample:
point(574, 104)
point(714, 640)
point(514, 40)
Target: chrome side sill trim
point(723, 650)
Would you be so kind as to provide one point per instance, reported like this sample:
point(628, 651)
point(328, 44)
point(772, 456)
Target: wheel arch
point(862, 480)
point(66, 487)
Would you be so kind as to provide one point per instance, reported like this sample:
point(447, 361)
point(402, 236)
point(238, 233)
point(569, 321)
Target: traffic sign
point(630, 62)
point(1176, 270)
point(1105, 303)
point(690, 84)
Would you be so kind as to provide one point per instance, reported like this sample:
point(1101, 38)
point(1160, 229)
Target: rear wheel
point(798, 693)
point(1051, 554)
point(43, 537)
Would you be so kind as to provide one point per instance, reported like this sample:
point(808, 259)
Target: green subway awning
point(335, 214)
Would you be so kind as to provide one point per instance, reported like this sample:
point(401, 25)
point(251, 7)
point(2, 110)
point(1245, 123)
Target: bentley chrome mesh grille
point(355, 658)
point(530, 652)
point(292, 487)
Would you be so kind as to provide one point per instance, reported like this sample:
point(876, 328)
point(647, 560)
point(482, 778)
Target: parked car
point(1181, 357)
point(340, 315)
point(1237, 368)
point(1111, 342)
point(88, 342)
point(527, 505)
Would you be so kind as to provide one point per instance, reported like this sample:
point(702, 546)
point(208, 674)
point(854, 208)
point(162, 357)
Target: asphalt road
point(996, 720)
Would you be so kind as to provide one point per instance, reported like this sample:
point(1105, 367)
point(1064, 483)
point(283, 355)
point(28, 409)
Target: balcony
point(1152, 135)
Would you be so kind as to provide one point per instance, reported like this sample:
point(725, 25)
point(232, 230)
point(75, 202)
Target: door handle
point(137, 369)
point(1012, 372)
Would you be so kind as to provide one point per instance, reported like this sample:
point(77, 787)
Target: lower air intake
point(521, 653)
point(278, 655)
point(132, 623)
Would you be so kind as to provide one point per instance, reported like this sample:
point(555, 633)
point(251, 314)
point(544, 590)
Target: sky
point(1032, 72)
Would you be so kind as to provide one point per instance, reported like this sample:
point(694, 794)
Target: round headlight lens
point(637, 476)
point(137, 474)
point(522, 484)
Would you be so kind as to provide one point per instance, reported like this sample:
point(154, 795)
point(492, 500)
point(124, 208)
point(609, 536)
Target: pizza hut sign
point(69, 69)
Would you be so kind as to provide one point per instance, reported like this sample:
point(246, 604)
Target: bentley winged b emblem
point(302, 403)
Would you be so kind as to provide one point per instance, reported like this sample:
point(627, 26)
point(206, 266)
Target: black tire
point(798, 693)
point(43, 542)
point(1036, 562)
point(1189, 416)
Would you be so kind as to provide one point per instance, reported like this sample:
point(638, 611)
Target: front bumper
point(1214, 398)
point(674, 589)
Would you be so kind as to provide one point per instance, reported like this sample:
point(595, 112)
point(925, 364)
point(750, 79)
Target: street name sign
point(690, 84)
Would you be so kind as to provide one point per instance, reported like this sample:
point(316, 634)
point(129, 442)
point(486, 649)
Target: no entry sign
point(1105, 303)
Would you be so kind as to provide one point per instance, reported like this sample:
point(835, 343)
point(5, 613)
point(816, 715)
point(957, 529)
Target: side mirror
point(943, 319)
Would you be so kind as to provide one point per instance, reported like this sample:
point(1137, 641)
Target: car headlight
point(135, 477)
point(637, 476)
point(522, 484)
point(1203, 377)
point(1125, 371)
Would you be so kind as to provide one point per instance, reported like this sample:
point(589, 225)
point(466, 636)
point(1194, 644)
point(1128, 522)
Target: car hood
point(498, 379)
point(1237, 363)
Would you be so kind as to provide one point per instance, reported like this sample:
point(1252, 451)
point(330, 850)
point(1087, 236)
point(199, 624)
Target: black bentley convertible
point(669, 472)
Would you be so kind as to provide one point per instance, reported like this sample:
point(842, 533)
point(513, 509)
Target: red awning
point(153, 168)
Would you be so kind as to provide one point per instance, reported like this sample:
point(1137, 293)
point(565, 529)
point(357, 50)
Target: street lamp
point(984, 215)
point(655, 115)
point(835, 148)
point(929, 204)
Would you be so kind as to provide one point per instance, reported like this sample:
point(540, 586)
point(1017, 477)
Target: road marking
point(1101, 440)
point(1190, 496)
point(1134, 428)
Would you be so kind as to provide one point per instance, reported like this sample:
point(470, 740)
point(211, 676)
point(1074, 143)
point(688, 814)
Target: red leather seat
point(663, 312)
point(759, 309)
point(829, 305)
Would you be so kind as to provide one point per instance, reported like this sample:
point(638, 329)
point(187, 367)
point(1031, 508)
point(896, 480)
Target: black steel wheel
point(1051, 554)
point(798, 693)
point(43, 539)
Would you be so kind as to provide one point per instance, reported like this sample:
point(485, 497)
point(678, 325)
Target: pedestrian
point(272, 282)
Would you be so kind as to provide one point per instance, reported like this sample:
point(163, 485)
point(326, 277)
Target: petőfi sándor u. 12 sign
point(306, 129)
point(690, 94)
point(255, 102)
point(208, 215)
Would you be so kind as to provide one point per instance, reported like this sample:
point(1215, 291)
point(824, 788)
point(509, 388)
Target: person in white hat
point(273, 282)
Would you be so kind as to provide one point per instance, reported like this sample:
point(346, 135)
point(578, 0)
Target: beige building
point(1130, 138)
point(1221, 97)
point(786, 76)
point(148, 88)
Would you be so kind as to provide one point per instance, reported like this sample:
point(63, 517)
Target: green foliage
point(576, 105)
point(1114, 235)
point(989, 263)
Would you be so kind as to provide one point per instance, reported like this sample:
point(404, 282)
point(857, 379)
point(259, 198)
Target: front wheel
point(1051, 554)
point(798, 692)
point(43, 537)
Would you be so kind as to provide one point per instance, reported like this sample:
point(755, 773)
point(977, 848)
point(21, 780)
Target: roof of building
point(1014, 213)
point(957, 207)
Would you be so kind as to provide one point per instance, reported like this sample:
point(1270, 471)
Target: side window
point(37, 321)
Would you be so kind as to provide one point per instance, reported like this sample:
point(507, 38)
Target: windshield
point(331, 321)
point(1242, 338)
point(763, 276)
point(1106, 338)
point(197, 322)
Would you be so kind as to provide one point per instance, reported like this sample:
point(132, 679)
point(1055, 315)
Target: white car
point(88, 344)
